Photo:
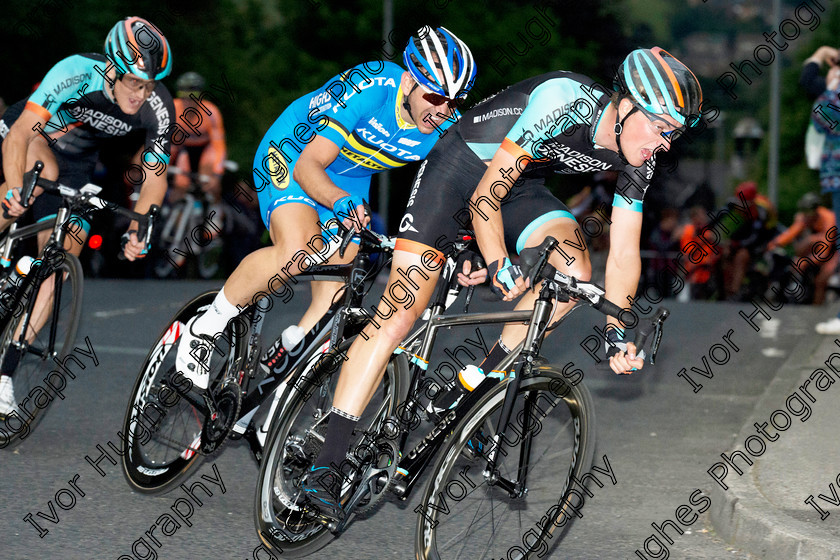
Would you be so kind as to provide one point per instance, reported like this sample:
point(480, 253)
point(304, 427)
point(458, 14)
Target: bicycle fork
point(531, 349)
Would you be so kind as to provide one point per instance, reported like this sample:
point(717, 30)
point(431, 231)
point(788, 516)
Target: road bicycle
point(506, 453)
point(39, 314)
point(191, 228)
point(168, 429)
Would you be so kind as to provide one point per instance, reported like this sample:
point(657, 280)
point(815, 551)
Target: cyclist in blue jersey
point(82, 102)
point(316, 162)
point(490, 170)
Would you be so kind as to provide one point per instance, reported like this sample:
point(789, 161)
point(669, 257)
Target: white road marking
point(129, 350)
point(116, 312)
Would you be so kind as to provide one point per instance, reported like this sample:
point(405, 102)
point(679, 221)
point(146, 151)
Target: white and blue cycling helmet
point(440, 62)
point(137, 47)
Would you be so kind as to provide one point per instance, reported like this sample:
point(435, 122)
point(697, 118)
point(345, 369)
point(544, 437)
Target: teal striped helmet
point(136, 46)
point(660, 84)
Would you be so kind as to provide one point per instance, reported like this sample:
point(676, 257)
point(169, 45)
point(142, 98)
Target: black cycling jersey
point(551, 120)
point(549, 124)
point(80, 116)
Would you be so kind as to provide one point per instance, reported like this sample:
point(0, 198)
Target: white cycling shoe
point(8, 404)
point(193, 357)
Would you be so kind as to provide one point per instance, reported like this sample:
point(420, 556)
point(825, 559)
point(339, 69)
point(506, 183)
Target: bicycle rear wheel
point(465, 516)
point(294, 441)
point(60, 320)
point(162, 430)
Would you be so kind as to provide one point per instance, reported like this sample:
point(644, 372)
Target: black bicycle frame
point(417, 459)
point(334, 322)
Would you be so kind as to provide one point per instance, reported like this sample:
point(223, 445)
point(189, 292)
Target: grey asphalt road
point(659, 435)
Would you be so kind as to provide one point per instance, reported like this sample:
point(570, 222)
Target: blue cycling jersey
point(359, 111)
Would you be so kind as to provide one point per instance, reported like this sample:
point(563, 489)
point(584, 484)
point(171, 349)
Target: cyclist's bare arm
point(217, 141)
point(311, 173)
point(489, 232)
point(624, 267)
point(15, 151)
point(151, 193)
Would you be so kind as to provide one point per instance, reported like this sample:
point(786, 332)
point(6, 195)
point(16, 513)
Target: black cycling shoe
point(322, 487)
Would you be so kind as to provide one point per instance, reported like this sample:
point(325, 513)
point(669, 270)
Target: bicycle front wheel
point(465, 514)
point(162, 430)
point(294, 441)
point(52, 319)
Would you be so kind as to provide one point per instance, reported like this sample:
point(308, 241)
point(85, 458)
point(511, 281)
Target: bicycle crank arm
point(203, 405)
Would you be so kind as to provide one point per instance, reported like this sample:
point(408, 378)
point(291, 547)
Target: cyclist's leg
point(74, 173)
point(531, 215)
point(436, 210)
point(293, 222)
point(324, 292)
point(361, 373)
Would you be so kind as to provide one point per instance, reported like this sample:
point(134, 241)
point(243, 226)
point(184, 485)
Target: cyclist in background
point(749, 237)
point(83, 101)
point(491, 167)
point(810, 226)
point(204, 149)
point(316, 162)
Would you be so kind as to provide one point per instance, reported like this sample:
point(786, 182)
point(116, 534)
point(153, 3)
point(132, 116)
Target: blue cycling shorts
point(281, 187)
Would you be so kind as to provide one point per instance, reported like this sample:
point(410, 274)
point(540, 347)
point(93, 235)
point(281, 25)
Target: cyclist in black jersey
point(82, 102)
point(489, 170)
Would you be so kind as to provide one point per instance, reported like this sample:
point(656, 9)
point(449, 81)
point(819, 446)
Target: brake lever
point(346, 240)
point(655, 328)
point(348, 236)
point(30, 179)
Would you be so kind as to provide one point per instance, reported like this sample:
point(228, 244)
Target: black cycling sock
point(337, 440)
point(10, 361)
point(496, 355)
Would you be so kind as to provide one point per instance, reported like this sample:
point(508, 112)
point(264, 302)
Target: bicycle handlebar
point(534, 265)
point(87, 196)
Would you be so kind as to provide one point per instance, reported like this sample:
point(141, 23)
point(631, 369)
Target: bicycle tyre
point(461, 513)
point(170, 451)
point(30, 373)
point(292, 445)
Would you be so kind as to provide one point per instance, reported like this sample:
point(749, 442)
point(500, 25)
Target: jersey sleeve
point(359, 98)
point(61, 84)
point(158, 121)
point(554, 107)
point(632, 185)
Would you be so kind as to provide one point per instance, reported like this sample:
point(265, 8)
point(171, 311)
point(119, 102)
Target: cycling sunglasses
point(674, 133)
point(436, 99)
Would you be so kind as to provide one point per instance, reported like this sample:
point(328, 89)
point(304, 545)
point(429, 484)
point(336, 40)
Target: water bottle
point(470, 377)
point(292, 336)
point(13, 282)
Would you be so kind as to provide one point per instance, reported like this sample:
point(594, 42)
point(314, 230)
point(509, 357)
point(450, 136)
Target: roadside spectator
point(826, 89)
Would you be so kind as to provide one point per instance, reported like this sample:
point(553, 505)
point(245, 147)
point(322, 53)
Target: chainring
point(377, 476)
point(217, 427)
